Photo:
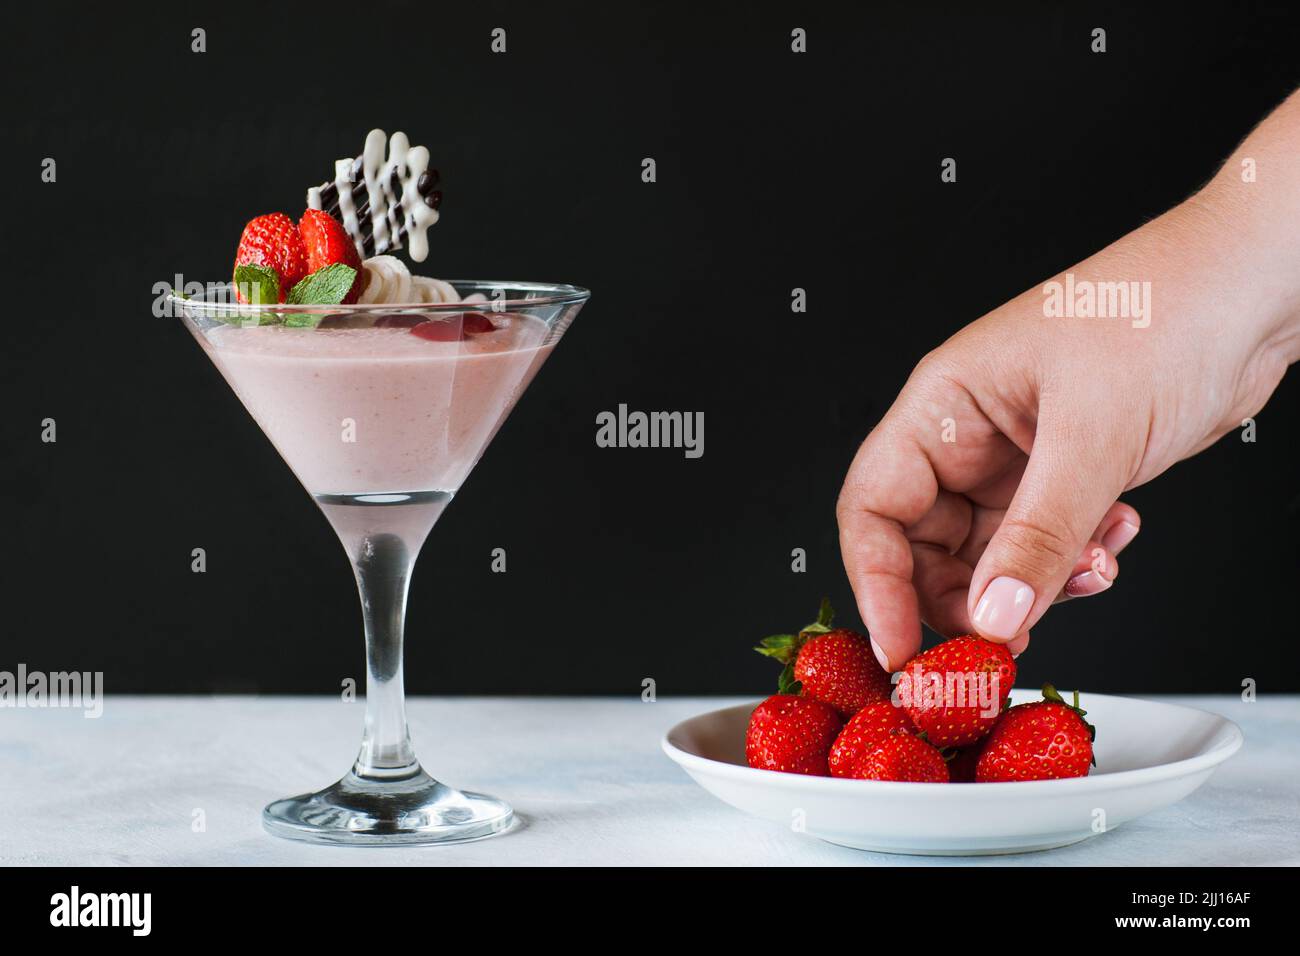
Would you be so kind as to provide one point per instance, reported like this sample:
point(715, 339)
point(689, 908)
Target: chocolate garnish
point(398, 219)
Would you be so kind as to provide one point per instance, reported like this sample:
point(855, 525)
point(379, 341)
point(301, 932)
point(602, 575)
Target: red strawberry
point(436, 331)
point(1040, 741)
point(961, 764)
point(902, 755)
point(273, 241)
point(863, 733)
point(791, 734)
point(840, 669)
point(450, 328)
point(327, 242)
point(955, 691)
point(476, 322)
point(833, 666)
point(399, 320)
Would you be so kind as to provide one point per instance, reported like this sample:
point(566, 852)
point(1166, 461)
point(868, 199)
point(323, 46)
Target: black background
point(775, 170)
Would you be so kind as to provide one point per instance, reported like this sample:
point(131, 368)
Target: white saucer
point(1149, 755)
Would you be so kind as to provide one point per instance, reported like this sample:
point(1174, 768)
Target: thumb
point(1064, 493)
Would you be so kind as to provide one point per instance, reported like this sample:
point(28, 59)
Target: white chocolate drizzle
point(391, 213)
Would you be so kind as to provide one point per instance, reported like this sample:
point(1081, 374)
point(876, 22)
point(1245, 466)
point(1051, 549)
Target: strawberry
point(476, 322)
point(791, 734)
point(327, 243)
point(450, 328)
point(273, 241)
point(863, 733)
point(901, 755)
point(438, 331)
point(955, 691)
point(1044, 740)
point(836, 666)
point(961, 763)
point(840, 669)
point(399, 320)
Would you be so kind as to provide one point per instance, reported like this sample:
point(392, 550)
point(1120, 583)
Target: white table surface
point(586, 774)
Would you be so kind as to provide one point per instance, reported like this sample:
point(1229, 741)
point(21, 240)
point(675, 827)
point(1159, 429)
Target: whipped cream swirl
point(387, 280)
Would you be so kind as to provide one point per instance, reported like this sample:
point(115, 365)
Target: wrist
point(1255, 202)
point(1253, 230)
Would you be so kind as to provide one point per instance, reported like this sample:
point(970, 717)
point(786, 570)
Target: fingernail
point(1004, 608)
point(1086, 583)
point(1118, 537)
point(880, 655)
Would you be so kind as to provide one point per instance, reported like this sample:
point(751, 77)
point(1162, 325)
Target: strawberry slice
point(477, 322)
point(328, 243)
point(399, 320)
point(454, 327)
point(439, 331)
point(273, 241)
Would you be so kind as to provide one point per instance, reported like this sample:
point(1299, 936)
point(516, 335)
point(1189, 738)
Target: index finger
point(890, 486)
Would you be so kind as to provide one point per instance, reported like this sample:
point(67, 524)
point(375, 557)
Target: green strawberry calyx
point(1050, 693)
point(785, 647)
point(949, 753)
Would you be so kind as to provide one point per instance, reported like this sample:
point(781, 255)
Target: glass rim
point(542, 294)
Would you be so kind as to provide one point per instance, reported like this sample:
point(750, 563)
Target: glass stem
point(383, 563)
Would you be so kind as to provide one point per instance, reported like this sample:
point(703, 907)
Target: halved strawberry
point(451, 328)
point(273, 241)
point(327, 243)
point(477, 322)
point(436, 331)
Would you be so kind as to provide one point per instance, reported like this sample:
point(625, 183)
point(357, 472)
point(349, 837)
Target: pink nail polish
point(1004, 608)
point(1089, 582)
point(880, 655)
point(1119, 536)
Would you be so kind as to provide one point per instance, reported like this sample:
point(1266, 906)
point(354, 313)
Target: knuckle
point(1037, 544)
point(935, 367)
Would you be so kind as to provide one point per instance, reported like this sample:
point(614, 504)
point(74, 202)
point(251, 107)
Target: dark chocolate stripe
point(329, 200)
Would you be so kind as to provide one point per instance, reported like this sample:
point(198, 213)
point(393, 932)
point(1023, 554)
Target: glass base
point(412, 811)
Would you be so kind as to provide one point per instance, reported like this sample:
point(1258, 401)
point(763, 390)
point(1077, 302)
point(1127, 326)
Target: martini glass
point(382, 411)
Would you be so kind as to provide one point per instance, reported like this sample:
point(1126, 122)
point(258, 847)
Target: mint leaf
point(240, 318)
point(303, 320)
point(257, 284)
point(325, 286)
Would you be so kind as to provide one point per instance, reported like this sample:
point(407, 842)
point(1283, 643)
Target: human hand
point(990, 488)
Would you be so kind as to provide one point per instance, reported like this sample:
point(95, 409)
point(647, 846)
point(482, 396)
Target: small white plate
point(1149, 755)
